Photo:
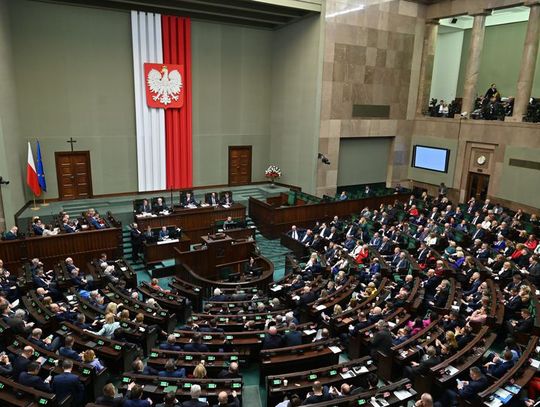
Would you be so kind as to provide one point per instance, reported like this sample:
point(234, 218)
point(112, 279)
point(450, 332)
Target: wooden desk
point(273, 221)
point(81, 246)
point(195, 222)
point(162, 250)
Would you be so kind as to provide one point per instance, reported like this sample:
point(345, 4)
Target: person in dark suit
point(272, 339)
point(17, 322)
point(21, 362)
point(134, 398)
point(188, 199)
point(229, 223)
point(159, 206)
point(307, 239)
point(218, 296)
point(226, 199)
point(138, 367)
point(382, 340)
point(169, 400)
point(195, 393)
point(109, 397)
point(67, 350)
point(230, 373)
point(137, 239)
point(37, 227)
point(170, 344)
point(163, 233)
point(468, 390)
point(12, 234)
point(171, 370)
point(49, 344)
point(498, 367)
point(145, 207)
point(524, 325)
point(212, 199)
point(293, 337)
point(427, 361)
point(223, 400)
point(31, 378)
point(68, 384)
point(196, 345)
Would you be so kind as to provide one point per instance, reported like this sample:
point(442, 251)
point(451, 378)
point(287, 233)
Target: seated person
point(188, 199)
point(164, 233)
point(171, 370)
point(499, 366)
point(295, 233)
point(109, 397)
point(159, 205)
point(226, 198)
point(49, 343)
point(32, 379)
point(11, 234)
point(317, 395)
point(145, 207)
point(212, 199)
point(170, 344)
point(37, 227)
point(67, 350)
point(229, 223)
point(196, 345)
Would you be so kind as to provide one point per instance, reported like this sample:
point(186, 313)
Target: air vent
point(531, 165)
point(380, 111)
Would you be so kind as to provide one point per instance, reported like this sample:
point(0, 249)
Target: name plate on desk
point(168, 241)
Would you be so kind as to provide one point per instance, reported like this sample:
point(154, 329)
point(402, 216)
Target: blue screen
point(430, 158)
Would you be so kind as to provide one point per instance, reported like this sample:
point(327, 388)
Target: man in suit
point(230, 373)
point(479, 233)
point(533, 270)
point(145, 207)
point(294, 233)
point(109, 397)
point(212, 199)
point(17, 322)
point(163, 233)
point(134, 398)
point(49, 344)
point(21, 362)
point(12, 233)
point(524, 325)
point(226, 199)
point(498, 367)
point(159, 206)
point(229, 223)
point(169, 400)
point(195, 393)
point(136, 241)
point(307, 239)
point(138, 367)
point(37, 227)
point(223, 400)
point(31, 378)
point(196, 345)
point(375, 241)
point(218, 296)
point(68, 384)
point(427, 361)
point(317, 395)
point(468, 390)
point(170, 370)
point(170, 344)
point(67, 350)
point(272, 339)
point(381, 340)
point(293, 337)
point(188, 199)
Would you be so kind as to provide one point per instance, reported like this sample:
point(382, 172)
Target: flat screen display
point(430, 158)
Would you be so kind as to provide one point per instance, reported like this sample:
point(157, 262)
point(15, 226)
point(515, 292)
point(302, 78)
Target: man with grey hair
point(195, 393)
point(425, 401)
point(381, 341)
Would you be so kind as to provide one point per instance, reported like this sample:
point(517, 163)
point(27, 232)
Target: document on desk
point(320, 307)
point(494, 403)
point(309, 332)
point(402, 394)
point(226, 206)
point(451, 370)
point(503, 395)
point(276, 288)
point(348, 374)
point(535, 363)
point(335, 349)
point(168, 241)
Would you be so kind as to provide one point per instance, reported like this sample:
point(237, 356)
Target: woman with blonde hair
point(109, 326)
point(139, 318)
point(124, 316)
point(199, 372)
point(111, 308)
point(89, 357)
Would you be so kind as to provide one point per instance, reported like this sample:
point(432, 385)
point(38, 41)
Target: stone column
point(473, 64)
point(426, 68)
point(528, 63)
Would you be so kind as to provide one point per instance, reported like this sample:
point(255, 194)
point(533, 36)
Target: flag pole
point(35, 207)
point(44, 203)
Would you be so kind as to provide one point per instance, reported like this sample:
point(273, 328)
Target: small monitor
point(430, 158)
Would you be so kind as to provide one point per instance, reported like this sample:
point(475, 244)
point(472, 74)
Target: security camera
point(3, 182)
point(323, 158)
point(464, 115)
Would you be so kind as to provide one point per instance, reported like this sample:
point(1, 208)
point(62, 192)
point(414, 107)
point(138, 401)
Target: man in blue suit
point(498, 367)
point(67, 350)
point(31, 378)
point(68, 384)
point(293, 337)
point(171, 370)
point(196, 345)
point(170, 344)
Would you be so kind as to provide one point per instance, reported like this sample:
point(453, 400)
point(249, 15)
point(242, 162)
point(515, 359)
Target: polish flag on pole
point(31, 174)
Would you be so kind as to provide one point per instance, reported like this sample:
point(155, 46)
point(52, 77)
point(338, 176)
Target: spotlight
point(3, 182)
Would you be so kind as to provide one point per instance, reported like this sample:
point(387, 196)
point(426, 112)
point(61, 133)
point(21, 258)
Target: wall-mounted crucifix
point(71, 141)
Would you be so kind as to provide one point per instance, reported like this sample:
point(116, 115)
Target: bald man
point(230, 373)
point(223, 400)
point(425, 401)
point(272, 340)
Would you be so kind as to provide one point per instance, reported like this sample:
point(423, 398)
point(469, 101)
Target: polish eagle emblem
point(164, 86)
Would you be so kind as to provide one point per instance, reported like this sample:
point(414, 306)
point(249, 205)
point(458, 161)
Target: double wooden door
point(239, 165)
point(478, 186)
point(73, 174)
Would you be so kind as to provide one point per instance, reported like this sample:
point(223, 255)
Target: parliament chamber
point(269, 203)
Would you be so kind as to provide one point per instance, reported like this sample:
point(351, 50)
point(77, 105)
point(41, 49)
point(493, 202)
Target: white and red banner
point(162, 75)
point(31, 173)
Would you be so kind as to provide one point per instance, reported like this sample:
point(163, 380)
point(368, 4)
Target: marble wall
point(372, 54)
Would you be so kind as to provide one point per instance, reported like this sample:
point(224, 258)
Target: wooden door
point(239, 165)
point(478, 186)
point(73, 174)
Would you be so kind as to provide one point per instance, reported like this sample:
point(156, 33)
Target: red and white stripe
point(31, 173)
point(164, 144)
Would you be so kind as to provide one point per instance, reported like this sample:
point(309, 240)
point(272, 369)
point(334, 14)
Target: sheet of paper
point(309, 331)
point(320, 307)
point(335, 349)
point(402, 394)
